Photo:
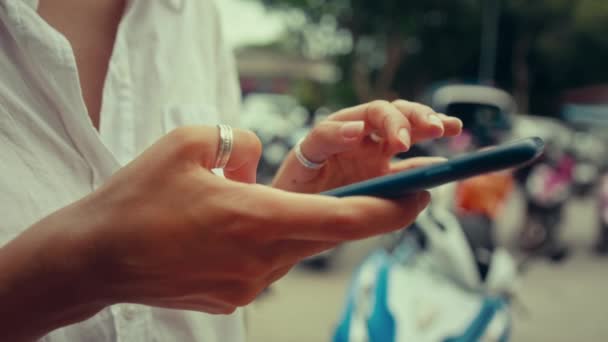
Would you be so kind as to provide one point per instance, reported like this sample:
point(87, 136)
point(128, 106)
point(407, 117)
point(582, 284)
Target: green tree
point(552, 45)
point(383, 36)
point(390, 48)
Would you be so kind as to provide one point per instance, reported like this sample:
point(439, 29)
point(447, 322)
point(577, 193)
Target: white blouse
point(170, 67)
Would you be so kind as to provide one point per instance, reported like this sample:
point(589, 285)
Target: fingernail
point(445, 116)
point(404, 136)
point(435, 120)
point(353, 129)
point(422, 200)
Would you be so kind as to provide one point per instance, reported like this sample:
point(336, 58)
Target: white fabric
point(425, 306)
point(428, 307)
point(169, 68)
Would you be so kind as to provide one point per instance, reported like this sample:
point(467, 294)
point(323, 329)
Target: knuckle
point(379, 105)
point(315, 133)
point(250, 139)
point(386, 111)
point(187, 140)
point(325, 125)
point(183, 136)
point(401, 103)
point(319, 132)
point(412, 108)
point(424, 109)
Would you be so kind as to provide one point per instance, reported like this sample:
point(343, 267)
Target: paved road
point(561, 302)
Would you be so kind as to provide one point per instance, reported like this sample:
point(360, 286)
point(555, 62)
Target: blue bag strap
point(480, 324)
point(341, 333)
point(381, 324)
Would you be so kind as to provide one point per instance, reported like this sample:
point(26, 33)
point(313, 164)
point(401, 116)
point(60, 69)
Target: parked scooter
point(601, 194)
point(588, 151)
point(602, 243)
point(441, 282)
point(591, 121)
point(444, 279)
point(547, 188)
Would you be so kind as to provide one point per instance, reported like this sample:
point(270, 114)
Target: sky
point(247, 22)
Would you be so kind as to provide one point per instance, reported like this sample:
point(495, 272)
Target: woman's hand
point(165, 231)
point(179, 236)
point(358, 143)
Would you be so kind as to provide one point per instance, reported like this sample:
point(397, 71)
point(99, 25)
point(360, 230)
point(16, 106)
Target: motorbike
point(591, 121)
point(548, 187)
point(444, 278)
point(602, 243)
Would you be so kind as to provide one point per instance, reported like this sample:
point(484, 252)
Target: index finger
point(200, 145)
point(380, 116)
point(422, 118)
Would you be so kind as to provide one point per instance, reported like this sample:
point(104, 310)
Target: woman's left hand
point(358, 143)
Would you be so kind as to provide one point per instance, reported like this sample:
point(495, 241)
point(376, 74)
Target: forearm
point(46, 281)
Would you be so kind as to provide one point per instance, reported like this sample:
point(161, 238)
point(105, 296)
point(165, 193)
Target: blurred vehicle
point(547, 184)
point(444, 279)
point(591, 121)
point(602, 206)
point(547, 188)
point(431, 287)
point(486, 112)
point(489, 117)
point(549, 129)
point(588, 123)
point(279, 121)
point(587, 150)
point(602, 244)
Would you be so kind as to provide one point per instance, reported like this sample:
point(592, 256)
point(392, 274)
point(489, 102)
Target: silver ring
point(224, 148)
point(305, 161)
point(375, 137)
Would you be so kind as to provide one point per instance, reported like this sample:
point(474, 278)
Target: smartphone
point(510, 155)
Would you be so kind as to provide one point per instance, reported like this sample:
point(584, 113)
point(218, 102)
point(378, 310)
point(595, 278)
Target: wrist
point(81, 254)
point(47, 277)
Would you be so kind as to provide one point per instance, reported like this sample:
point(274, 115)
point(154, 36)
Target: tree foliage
point(390, 48)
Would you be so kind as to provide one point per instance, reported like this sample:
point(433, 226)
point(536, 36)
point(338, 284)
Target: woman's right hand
point(165, 231)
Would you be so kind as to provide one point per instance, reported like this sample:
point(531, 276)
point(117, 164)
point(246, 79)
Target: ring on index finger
point(224, 148)
point(307, 163)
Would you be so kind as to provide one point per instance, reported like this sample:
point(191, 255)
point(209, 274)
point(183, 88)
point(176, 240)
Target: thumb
point(243, 163)
point(201, 144)
point(416, 162)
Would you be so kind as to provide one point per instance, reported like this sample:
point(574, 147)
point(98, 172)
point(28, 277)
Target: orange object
point(484, 194)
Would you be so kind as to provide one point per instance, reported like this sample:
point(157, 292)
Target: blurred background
point(522, 261)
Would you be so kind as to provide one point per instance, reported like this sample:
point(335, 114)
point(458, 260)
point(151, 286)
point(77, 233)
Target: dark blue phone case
point(514, 154)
